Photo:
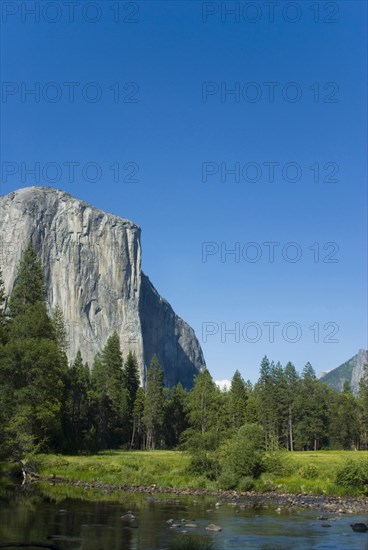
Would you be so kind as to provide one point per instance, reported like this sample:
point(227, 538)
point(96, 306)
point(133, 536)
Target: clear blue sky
point(169, 123)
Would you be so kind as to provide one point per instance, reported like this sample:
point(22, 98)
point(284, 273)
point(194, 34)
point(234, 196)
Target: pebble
point(350, 505)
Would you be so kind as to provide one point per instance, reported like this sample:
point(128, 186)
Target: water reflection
point(63, 516)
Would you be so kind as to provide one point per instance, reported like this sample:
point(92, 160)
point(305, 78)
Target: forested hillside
point(47, 404)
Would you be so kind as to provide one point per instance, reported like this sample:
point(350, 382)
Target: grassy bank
point(307, 472)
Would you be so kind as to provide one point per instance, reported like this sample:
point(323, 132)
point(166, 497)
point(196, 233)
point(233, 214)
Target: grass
point(313, 472)
point(162, 468)
point(191, 542)
point(307, 472)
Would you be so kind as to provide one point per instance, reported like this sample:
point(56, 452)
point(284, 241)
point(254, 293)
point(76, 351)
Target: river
point(76, 519)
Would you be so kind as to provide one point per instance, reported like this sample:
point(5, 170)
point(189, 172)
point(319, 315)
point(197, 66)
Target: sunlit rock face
point(351, 371)
point(92, 263)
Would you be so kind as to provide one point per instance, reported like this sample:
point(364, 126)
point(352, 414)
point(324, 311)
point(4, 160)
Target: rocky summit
point(92, 263)
point(351, 371)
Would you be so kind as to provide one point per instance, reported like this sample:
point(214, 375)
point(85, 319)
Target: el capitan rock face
point(92, 263)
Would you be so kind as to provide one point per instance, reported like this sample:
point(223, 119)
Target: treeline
point(48, 405)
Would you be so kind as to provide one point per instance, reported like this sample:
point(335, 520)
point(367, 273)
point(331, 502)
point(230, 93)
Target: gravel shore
point(342, 505)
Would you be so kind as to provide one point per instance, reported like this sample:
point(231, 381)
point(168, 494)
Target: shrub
point(278, 463)
point(204, 465)
point(242, 458)
point(353, 474)
point(228, 480)
point(246, 483)
point(243, 454)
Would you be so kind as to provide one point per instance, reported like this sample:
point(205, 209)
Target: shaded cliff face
point(181, 349)
point(93, 271)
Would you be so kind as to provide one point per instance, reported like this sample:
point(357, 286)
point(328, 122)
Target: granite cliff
point(92, 263)
point(351, 370)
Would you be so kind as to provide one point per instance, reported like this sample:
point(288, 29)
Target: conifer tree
point(363, 407)
point(204, 407)
point(29, 287)
point(175, 416)
point(312, 411)
point(292, 388)
point(131, 379)
point(111, 395)
point(237, 400)
point(3, 321)
point(137, 440)
point(34, 365)
point(154, 404)
point(76, 408)
point(60, 331)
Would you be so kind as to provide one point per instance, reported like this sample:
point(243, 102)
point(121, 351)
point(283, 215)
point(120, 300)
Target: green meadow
point(303, 472)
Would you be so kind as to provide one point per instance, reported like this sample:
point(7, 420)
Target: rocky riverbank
point(323, 503)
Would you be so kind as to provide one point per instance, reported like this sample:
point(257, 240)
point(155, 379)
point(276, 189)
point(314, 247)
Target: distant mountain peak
point(351, 370)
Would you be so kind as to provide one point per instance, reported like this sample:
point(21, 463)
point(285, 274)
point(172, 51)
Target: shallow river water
point(61, 517)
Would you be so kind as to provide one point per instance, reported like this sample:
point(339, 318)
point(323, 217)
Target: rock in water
point(359, 527)
point(213, 527)
point(92, 263)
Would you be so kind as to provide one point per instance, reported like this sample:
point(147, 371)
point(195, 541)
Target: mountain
point(92, 263)
point(351, 370)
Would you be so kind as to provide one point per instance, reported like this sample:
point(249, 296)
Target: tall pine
point(153, 414)
point(34, 366)
point(107, 377)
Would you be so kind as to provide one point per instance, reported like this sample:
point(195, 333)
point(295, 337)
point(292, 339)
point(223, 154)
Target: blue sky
point(163, 74)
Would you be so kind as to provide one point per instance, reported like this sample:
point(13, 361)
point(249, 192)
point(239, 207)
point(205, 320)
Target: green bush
point(278, 463)
point(228, 480)
point(353, 474)
point(246, 483)
point(243, 454)
point(204, 465)
point(242, 458)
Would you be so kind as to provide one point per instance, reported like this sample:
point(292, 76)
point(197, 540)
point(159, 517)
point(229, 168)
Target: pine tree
point(238, 396)
point(111, 396)
point(61, 333)
point(34, 367)
point(29, 286)
point(175, 422)
point(137, 441)
point(292, 388)
point(102, 408)
point(203, 414)
point(363, 408)
point(153, 415)
point(311, 410)
point(344, 423)
point(131, 385)
point(266, 401)
point(76, 409)
point(131, 379)
point(27, 304)
point(6, 390)
point(3, 319)
point(112, 361)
